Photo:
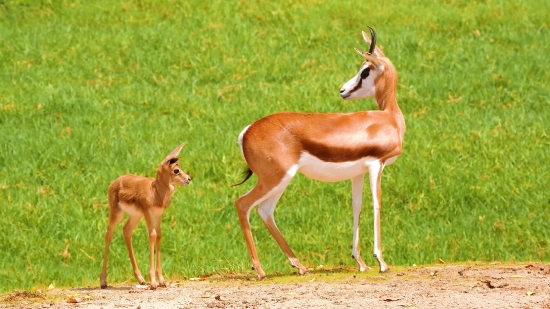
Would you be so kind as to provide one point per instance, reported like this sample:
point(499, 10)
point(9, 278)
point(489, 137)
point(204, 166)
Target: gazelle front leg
point(127, 230)
point(158, 268)
point(375, 175)
point(356, 201)
point(152, 243)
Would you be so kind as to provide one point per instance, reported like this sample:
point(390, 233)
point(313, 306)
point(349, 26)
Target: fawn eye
point(365, 73)
point(176, 171)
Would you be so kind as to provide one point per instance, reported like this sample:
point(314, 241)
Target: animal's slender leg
point(158, 269)
point(375, 175)
point(115, 216)
point(152, 243)
point(127, 230)
point(266, 210)
point(357, 201)
point(244, 205)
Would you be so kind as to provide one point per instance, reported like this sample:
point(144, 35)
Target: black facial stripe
point(365, 73)
point(356, 87)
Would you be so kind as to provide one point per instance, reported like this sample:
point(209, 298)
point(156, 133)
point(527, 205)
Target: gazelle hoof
point(141, 280)
point(385, 270)
point(301, 269)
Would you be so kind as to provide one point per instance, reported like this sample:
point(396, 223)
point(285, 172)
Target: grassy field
point(93, 90)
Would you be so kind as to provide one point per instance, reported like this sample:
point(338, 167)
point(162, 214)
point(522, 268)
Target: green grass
point(91, 91)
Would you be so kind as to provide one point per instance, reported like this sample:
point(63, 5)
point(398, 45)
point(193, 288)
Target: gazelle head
point(363, 84)
point(170, 167)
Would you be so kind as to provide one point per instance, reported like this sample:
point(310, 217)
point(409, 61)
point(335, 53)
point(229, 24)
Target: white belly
point(134, 211)
point(314, 168)
point(131, 210)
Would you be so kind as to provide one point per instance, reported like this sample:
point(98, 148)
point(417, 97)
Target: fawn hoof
point(162, 283)
point(141, 281)
point(103, 284)
point(154, 285)
point(261, 274)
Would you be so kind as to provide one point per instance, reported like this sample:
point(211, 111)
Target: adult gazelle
point(327, 147)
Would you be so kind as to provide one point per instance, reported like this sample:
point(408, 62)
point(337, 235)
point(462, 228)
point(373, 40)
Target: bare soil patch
point(444, 286)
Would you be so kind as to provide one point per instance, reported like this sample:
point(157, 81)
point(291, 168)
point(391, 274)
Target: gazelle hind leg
point(375, 175)
point(244, 205)
point(357, 201)
point(115, 216)
point(266, 210)
point(262, 191)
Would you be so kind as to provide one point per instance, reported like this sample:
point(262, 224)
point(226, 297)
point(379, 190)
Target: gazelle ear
point(379, 65)
point(360, 52)
point(174, 153)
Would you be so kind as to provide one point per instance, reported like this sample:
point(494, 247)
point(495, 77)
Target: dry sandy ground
point(445, 286)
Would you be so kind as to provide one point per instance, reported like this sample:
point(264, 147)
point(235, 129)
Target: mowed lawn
point(93, 90)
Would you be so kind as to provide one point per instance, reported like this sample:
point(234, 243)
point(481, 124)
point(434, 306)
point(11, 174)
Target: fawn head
point(170, 168)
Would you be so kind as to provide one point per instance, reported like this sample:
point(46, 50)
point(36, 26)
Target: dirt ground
point(442, 286)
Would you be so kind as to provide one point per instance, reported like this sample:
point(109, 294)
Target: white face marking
point(366, 89)
point(314, 168)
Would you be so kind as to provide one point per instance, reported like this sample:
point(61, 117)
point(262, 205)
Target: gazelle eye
point(365, 73)
point(176, 171)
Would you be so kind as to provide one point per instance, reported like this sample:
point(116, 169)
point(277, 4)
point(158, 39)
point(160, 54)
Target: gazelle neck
point(385, 97)
point(163, 188)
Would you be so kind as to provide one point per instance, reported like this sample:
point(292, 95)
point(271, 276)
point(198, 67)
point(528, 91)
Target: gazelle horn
point(373, 40)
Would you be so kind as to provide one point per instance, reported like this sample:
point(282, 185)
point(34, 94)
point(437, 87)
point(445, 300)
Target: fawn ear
point(174, 153)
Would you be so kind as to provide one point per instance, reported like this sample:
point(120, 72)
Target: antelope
point(143, 197)
point(329, 147)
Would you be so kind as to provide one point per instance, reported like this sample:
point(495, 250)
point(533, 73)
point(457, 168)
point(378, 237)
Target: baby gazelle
point(143, 197)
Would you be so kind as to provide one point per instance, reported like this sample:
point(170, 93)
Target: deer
point(145, 197)
point(328, 147)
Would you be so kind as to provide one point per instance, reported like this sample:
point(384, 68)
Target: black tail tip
point(247, 173)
